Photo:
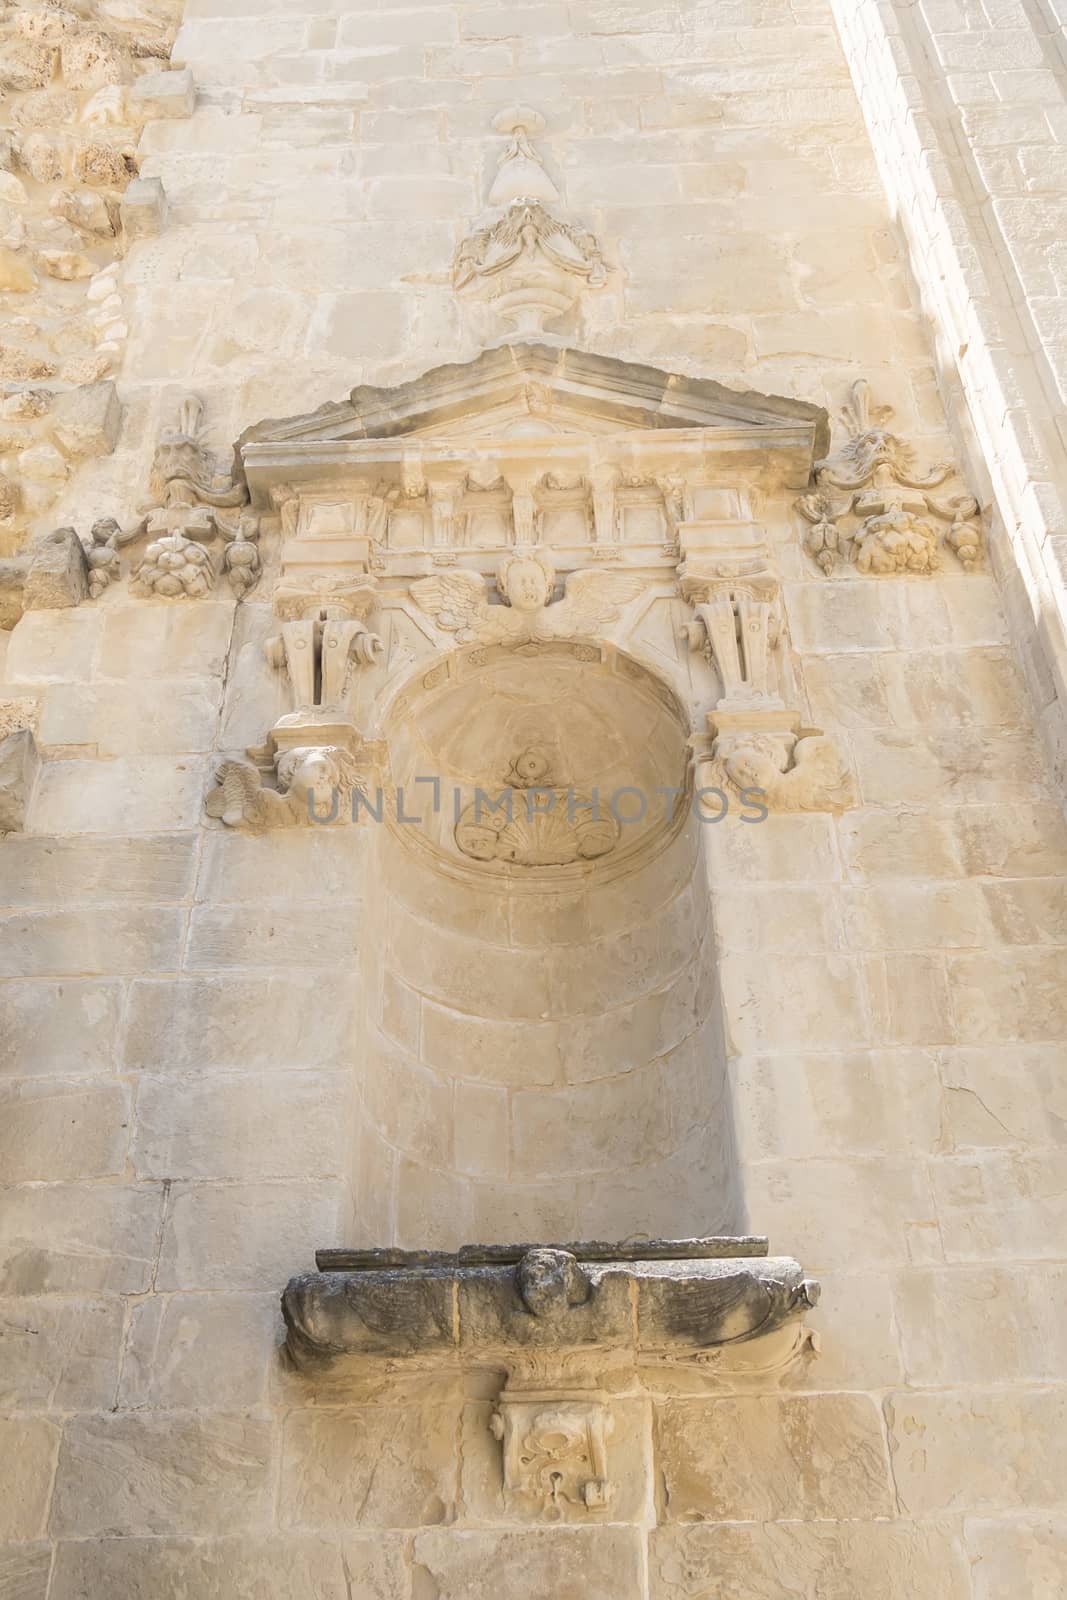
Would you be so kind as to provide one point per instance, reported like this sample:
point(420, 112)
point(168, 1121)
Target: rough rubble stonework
point(547, 401)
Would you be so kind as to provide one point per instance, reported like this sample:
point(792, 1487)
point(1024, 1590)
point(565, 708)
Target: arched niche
point(541, 1054)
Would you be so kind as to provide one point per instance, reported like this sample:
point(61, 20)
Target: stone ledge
point(512, 1306)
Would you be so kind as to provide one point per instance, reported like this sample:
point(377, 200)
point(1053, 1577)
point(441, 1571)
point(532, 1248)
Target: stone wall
point(182, 1009)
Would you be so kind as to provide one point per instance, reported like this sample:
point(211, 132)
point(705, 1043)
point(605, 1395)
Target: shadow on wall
point(542, 1051)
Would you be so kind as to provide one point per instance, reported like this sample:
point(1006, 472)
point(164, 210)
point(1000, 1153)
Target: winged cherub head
point(525, 579)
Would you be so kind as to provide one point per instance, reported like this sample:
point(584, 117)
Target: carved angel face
point(527, 583)
point(310, 776)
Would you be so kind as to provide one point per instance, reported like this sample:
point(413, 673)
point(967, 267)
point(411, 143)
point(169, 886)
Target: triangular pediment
point(541, 390)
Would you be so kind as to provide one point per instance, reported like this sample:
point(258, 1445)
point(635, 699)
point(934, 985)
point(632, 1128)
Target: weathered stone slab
point(59, 1354)
point(59, 1131)
point(28, 1448)
point(243, 1568)
point(378, 1466)
point(143, 209)
point(205, 1024)
point(67, 1027)
point(243, 1125)
point(199, 1351)
point(40, 872)
point(87, 420)
point(878, 1560)
point(163, 94)
point(566, 1563)
point(742, 1459)
point(84, 943)
point(78, 1239)
point(944, 1460)
point(58, 574)
point(162, 1472)
point(18, 772)
point(24, 1571)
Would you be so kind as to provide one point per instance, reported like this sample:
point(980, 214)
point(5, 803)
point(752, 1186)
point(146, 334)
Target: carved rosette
point(871, 510)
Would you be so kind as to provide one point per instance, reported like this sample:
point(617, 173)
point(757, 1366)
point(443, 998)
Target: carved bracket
point(886, 520)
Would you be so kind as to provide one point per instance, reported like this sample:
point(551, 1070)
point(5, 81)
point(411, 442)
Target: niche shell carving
point(534, 822)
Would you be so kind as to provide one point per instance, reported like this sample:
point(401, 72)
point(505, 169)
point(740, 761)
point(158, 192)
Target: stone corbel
point(770, 760)
point(870, 508)
point(320, 645)
point(738, 628)
point(559, 1320)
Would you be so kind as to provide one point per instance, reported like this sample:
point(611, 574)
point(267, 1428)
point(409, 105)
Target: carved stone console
point(570, 1326)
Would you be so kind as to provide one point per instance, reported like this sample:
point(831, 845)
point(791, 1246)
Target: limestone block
point(12, 573)
point(51, 1130)
point(362, 326)
point(28, 1448)
point(162, 1472)
point(1001, 1207)
point(901, 844)
point(43, 872)
point(139, 794)
point(25, 1570)
point(273, 936)
point(242, 1125)
point(807, 1002)
point(1031, 912)
point(240, 1568)
point(162, 94)
point(143, 209)
point(1024, 1551)
point(137, 719)
point(909, 999)
point(195, 1352)
point(58, 574)
point(408, 1105)
point(78, 1239)
point(741, 1459)
point(879, 1560)
point(400, 1014)
point(945, 1458)
point(995, 1098)
point(836, 1211)
point(1012, 841)
point(245, 1235)
point(782, 919)
point(87, 420)
point(566, 1563)
point(481, 1130)
point(464, 973)
point(381, 1466)
point(140, 642)
point(289, 1019)
point(85, 943)
point(1017, 995)
point(595, 1127)
point(593, 978)
point(861, 1102)
point(301, 863)
point(781, 849)
point(975, 1325)
point(16, 272)
point(972, 766)
point(26, 64)
point(19, 766)
point(920, 916)
point(68, 1027)
point(53, 646)
point(631, 1035)
point(858, 1344)
point(60, 1354)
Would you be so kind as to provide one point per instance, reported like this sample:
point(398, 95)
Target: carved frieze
point(555, 1451)
point(871, 509)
